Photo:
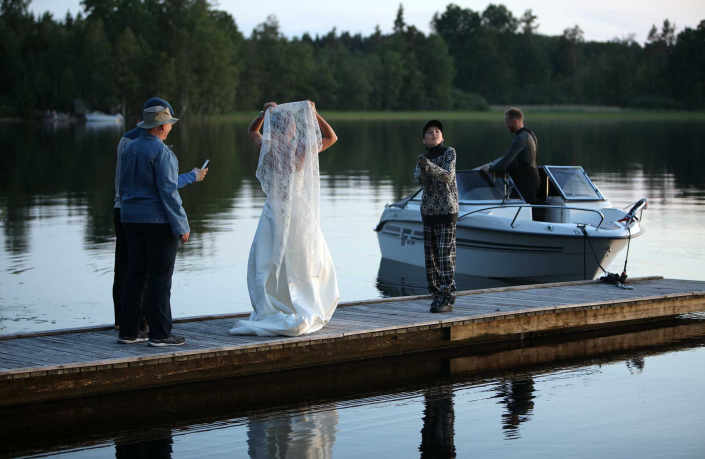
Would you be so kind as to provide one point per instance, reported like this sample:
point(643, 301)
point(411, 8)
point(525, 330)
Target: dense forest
point(117, 53)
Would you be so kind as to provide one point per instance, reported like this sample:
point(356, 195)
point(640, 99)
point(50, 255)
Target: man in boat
point(154, 222)
point(435, 172)
point(120, 270)
point(520, 160)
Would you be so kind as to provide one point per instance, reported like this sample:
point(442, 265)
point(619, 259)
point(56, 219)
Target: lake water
point(639, 395)
point(56, 192)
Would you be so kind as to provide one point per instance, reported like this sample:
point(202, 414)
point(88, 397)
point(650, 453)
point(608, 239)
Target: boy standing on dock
point(435, 172)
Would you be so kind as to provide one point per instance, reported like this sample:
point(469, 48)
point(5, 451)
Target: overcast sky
point(601, 20)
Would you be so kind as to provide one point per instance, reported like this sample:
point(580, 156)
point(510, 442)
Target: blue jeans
point(151, 249)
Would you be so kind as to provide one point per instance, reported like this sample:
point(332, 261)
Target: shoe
point(138, 339)
point(442, 308)
point(435, 301)
point(170, 341)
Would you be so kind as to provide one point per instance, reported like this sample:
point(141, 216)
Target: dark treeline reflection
point(68, 169)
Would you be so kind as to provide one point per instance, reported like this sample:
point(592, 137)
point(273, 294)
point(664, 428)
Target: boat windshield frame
point(599, 197)
point(516, 198)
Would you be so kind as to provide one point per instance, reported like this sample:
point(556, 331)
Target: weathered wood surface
point(44, 366)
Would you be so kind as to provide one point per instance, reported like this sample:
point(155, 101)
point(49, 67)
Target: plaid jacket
point(439, 203)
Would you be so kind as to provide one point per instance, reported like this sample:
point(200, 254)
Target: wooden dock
point(72, 363)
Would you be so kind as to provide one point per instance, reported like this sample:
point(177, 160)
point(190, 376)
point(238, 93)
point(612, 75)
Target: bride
point(290, 274)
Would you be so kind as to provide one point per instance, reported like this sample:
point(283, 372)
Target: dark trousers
point(151, 249)
point(439, 249)
point(121, 264)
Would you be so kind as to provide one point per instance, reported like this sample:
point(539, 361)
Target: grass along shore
point(626, 115)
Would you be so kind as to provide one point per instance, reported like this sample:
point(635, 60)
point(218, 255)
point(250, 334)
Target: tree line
point(117, 53)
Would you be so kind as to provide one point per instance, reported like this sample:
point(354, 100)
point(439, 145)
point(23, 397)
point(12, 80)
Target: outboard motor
point(640, 205)
point(614, 278)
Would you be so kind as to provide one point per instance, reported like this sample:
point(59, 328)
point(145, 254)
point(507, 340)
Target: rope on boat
point(611, 278)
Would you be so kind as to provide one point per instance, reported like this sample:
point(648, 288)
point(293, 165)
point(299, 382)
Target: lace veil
point(288, 171)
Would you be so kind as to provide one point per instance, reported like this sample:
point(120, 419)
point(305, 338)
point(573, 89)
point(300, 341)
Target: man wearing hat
point(435, 172)
point(154, 221)
point(121, 259)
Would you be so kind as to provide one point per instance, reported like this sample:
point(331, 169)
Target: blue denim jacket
point(129, 136)
point(149, 175)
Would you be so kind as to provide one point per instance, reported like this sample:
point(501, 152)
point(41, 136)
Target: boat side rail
point(536, 206)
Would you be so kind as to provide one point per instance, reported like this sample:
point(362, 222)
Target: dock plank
point(24, 360)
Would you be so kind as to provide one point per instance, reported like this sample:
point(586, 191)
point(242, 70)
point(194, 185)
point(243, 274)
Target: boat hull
point(524, 256)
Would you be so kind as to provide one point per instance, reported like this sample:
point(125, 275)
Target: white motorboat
point(100, 117)
point(500, 236)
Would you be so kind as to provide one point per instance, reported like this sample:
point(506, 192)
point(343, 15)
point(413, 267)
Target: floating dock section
point(73, 363)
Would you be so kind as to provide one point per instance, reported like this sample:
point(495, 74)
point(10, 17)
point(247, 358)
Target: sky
point(600, 20)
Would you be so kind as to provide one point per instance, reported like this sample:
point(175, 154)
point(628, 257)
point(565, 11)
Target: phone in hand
point(205, 164)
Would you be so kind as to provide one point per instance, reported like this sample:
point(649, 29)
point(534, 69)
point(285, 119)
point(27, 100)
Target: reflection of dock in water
point(144, 420)
point(401, 279)
point(48, 366)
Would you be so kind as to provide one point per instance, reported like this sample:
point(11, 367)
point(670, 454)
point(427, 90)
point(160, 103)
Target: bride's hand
point(269, 104)
point(313, 106)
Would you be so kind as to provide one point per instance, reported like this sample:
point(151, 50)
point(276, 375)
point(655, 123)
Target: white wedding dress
point(290, 274)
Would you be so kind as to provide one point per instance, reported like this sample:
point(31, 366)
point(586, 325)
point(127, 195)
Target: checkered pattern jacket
point(439, 203)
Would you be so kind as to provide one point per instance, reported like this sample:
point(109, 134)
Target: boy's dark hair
point(435, 123)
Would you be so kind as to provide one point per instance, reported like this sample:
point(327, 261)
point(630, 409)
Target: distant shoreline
point(535, 112)
point(532, 111)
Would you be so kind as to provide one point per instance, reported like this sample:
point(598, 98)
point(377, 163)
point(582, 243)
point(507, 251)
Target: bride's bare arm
point(256, 124)
point(329, 137)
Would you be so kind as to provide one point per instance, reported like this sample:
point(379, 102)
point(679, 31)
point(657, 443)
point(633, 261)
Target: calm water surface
point(632, 395)
point(56, 189)
point(638, 393)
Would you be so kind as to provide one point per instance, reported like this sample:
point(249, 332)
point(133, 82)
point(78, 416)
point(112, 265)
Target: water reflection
point(636, 365)
point(433, 404)
point(56, 184)
point(401, 279)
point(140, 448)
point(517, 396)
point(438, 432)
point(306, 435)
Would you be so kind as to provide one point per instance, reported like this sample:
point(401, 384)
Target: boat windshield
point(476, 186)
point(573, 183)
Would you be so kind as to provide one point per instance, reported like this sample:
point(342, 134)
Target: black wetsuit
point(520, 163)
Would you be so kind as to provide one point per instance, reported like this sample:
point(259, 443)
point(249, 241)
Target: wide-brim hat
point(156, 116)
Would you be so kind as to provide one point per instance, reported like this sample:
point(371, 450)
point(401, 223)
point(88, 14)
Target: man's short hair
point(514, 113)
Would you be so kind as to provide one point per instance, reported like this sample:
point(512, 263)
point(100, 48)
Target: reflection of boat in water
point(401, 279)
point(500, 236)
point(100, 117)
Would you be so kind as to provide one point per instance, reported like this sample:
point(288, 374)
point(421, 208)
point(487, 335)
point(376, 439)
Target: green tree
point(687, 67)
